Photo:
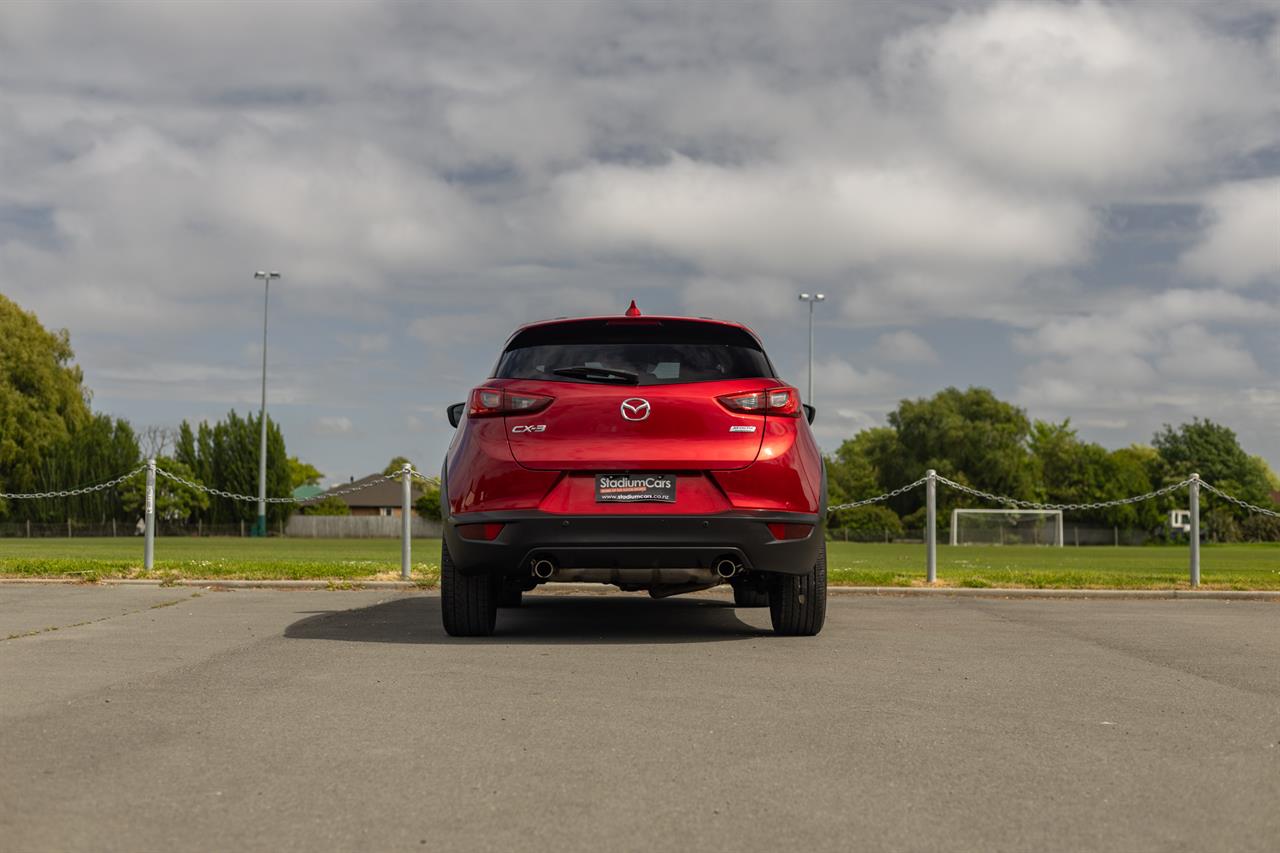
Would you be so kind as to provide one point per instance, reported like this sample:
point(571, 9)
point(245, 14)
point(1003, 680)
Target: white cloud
point(330, 425)
point(836, 377)
point(1085, 93)
point(1242, 242)
point(1145, 358)
point(816, 219)
point(740, 299)
point(906, 347)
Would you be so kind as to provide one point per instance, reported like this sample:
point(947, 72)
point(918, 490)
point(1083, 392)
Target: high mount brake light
point(782, 402)
point(492, 402)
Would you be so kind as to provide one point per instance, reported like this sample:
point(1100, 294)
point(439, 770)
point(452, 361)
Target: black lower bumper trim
point(633, 542)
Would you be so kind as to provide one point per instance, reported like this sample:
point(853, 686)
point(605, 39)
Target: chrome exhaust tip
point(727, 568)
point(543, 568)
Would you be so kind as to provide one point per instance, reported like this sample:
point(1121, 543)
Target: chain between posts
point(1004, 499)
point(289, 500)
point(83, 490)
point(878, 498)
point(1238, 502)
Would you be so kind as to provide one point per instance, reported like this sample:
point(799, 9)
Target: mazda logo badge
point(635, 409)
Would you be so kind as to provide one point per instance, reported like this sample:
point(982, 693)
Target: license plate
point(635, 488)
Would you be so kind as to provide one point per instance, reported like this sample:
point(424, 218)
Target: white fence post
point(931, 530)
point(406, 522)
point(149, 545)
point(1195, 530)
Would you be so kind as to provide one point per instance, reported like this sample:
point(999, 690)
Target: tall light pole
point(260, 528)
point(811, 298)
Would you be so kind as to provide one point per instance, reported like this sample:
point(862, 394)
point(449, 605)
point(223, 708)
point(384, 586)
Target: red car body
point(538, 483)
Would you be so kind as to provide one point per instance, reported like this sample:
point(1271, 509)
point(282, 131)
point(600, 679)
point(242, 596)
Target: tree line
point(972, 437)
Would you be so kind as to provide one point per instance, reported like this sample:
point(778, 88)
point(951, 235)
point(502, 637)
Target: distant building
point(385, 498)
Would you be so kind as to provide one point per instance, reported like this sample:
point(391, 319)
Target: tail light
point(491, 402)
point(784, 402)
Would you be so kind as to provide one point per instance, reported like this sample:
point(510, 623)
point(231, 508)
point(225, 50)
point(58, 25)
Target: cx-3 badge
point(635, 409)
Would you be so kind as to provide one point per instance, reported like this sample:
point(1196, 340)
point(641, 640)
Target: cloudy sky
point(1074, 204)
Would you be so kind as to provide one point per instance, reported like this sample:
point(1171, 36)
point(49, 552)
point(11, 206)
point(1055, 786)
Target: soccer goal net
point(1006, 527)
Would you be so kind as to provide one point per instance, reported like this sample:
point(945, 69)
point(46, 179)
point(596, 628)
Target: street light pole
point(811, 298)
point(260, 527)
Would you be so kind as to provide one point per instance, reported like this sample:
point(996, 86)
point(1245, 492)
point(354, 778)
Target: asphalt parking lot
point(166, 719)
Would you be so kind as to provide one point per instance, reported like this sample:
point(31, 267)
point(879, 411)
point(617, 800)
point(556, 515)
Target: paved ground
point(155, 720)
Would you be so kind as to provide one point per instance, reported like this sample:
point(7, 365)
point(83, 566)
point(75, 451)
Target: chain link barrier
point(1238, 502)
point(141, 469)
point(431, 481)
point(878, 498)
point(1005, 499)
point(352, 489)
point(83, 490)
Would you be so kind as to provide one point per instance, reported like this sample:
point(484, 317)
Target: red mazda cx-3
point(653, 453)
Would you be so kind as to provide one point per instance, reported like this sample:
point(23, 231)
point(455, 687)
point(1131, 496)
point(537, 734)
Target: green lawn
point(1222, 566)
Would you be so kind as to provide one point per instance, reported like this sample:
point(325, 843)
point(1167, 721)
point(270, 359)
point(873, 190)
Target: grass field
point(1222, 566)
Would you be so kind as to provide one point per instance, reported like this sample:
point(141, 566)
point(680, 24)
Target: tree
point(1212, 451)
point(395, 466)
point(428, 504)
point(968, 436)
point(175, 502)
point(866, 523)
point(156, 441)
point(98, 449)
point(225, 456)
point(853, 472)
point(302, 474)
point(42, 398)
point(1069, 471)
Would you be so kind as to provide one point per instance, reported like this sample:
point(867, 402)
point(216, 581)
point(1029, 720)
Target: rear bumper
point(633, 541)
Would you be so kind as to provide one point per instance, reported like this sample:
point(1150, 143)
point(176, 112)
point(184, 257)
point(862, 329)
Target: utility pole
point(260, 526)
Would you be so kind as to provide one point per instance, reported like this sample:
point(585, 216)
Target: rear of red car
point(657, 453)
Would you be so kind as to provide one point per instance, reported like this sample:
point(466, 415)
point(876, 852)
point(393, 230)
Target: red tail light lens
point(783, 402)
point(790, 531)
point(486, 532)
point(491, 402)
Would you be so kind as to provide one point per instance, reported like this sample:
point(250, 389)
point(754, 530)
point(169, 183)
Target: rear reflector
point(790, 531)
point(486, 532)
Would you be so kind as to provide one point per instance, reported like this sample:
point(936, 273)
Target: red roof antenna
point(633, 311)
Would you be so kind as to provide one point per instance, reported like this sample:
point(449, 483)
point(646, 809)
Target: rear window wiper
point(600, 374)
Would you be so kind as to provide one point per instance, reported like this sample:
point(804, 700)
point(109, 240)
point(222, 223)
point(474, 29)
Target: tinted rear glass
point(658, 352)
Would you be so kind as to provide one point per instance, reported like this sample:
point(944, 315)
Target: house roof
point(303, 493)
point(381, 494)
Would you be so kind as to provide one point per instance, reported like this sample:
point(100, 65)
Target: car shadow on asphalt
point(541, 619)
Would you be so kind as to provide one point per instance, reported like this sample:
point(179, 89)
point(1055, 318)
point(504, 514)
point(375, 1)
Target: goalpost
point(1006, 527)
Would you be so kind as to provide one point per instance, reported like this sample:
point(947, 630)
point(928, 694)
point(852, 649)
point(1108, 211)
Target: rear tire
point(798, 603)
point(468, 603)
point(748, 596)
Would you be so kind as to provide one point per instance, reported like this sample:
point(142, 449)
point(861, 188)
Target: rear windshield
point(656, 352)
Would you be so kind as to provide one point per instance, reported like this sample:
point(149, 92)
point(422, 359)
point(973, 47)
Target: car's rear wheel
point(798, 603)
point(468, 603)
point(750, 596)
